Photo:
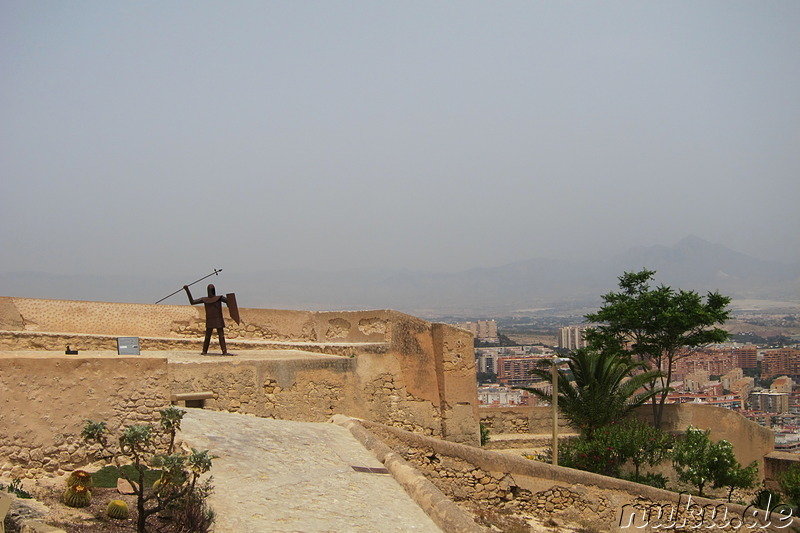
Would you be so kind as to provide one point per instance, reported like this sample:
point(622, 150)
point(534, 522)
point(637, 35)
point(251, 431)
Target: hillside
point(692, 263)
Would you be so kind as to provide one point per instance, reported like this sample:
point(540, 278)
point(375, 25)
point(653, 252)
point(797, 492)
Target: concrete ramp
point(285, 476)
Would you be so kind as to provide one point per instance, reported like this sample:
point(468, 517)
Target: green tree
point(657, 326)
point(138, 445)
point(614, 445)
point(171, 422)
point(699, 461)
point(790, 484)
point(739, 477)
point(642, 444)
point(604, 388)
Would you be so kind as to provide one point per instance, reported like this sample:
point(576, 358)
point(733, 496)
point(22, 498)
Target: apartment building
point(516, 371)
point(571, 337)
point(781, 361)
point(746, 357)
point(482, 330)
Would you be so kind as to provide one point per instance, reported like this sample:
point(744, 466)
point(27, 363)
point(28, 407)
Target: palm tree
point(605, 386)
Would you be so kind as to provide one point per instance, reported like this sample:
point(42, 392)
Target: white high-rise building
point(571, 337)
point(482, 330)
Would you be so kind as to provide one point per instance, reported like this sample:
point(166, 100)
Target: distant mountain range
point(537, 283)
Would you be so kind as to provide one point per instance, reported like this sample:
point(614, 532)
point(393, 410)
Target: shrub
point(15, 487)
point(766, 499)
point(654, 480)
point(484, 434)
point(641, 444)
point(612, 446)
point(191, 513)
point(139, 446)
point(790, 484)
point(698, 461)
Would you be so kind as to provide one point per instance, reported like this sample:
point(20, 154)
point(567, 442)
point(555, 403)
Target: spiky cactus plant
point(77, 496)
point(80, 477)
point(117, 509)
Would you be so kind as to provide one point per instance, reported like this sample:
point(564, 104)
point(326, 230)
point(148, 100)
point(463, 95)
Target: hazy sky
point(143, 136)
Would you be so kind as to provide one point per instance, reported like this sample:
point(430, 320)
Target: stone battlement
point(380, 365)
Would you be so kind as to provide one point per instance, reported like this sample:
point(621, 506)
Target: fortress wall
point(308, 390)
point(394, 368)
point(100, 318)
point(751, 442)
point(775, 466)
point(522, 419)
point(47, 399)
point(186, 321)
point(422, 382)
point(487, 482)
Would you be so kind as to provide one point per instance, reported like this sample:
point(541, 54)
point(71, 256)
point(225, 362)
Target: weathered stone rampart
point(47, 400)
point(380, 365)
point(522, 419)
point(751, 442)
point(488, 483)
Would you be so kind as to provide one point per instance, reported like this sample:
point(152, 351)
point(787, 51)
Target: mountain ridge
point(692, 264)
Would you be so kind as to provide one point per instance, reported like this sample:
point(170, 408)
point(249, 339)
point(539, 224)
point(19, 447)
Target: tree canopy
point(656, 326)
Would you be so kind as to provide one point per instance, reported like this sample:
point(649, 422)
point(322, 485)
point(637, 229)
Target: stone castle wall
point(494, 484)
point(147, 321)
point(751, 442)
point(380, 365)
point(421, 379)
point(522, 419)
point(46, 402)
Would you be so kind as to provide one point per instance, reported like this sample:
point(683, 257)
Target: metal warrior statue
point(214, 319)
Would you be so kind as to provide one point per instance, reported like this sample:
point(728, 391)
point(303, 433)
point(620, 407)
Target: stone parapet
point(494, 484)
point(751, 442)
point(47, 400)
point(380, 365)
point(522, 419)
point(186, 321)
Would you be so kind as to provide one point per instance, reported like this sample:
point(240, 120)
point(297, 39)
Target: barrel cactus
point(77, 496)
point(80, 477)
point(117, 509)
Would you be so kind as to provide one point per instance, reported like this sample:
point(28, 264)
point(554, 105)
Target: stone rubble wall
point(522, 419)
point(487, 482)
point(46, 402)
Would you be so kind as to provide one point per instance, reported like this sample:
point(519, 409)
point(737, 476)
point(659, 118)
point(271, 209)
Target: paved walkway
point(284, 476)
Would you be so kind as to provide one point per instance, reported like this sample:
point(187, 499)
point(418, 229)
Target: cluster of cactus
point(117, 509)
point(78, 493)
point(77, 496)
